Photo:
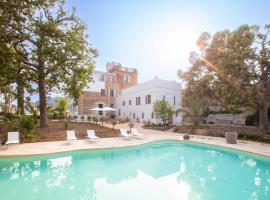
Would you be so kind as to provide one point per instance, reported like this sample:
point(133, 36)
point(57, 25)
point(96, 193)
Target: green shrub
point(102, 119)
point(257, 138)
point(28, 124)
point(35, 116)
point(113, 122)
point(89, 118)
point(31, 137)
point(95, 119)
point(66, 124)
point(10, 118)
point(163, 111)
point(130, 125)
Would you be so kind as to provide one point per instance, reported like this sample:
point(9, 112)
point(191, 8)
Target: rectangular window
point(174, 100)
point(148, 99)
point(133, 115)
point(152, 115)
point(138, 101)
point(100, 106)
point(124, 103)
point(163, 97)
point(102, 78)
point(129, 102)
point(102, 92)
point(127, 78)
point(119, 112)
point(111, 105)
point(142, 115)
point(111, 92)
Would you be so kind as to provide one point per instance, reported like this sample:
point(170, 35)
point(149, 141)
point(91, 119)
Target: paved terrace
point(148, 136)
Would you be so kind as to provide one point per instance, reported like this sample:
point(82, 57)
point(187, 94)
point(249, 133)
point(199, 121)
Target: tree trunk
point(20, 94)
point(263, 116)
point(42, 100)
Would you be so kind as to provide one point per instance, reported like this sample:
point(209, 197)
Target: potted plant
point(102, 119)
point(130, 125)
point(66, 124)
point(95, 119)
point(186, 136)
point(89, 118)
point(114, 122)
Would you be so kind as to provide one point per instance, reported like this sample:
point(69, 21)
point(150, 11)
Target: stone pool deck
point(148, 136)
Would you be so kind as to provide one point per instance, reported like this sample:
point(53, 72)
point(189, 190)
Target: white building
point(136, 103)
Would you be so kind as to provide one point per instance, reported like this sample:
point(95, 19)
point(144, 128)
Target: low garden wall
point(157, 127)
point(218, 130)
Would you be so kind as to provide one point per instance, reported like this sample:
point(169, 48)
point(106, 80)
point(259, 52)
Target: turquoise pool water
point(166, 170)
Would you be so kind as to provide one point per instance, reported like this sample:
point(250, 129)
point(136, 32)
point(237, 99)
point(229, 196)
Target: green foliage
point(232, 70)
point(193, 110)
point(163, 110)
point(61, 106)
point(130, 125)
point(7, 93)
point(102, 119)
point(95, 119)
point(10, 118)
point(66, 124)
point(50, 47)
point(89, 118)
point(113, 122)
point(27, 124)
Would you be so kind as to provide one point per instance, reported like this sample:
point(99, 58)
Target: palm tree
point(62, 106)
point(193, 110)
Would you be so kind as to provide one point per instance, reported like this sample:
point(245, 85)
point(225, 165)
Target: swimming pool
point(166, 170)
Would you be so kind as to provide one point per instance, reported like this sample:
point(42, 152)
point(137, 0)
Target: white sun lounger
point(13, 138)
point(71, 135)
point(123, 133)
point(91, 134)
point(135, 132)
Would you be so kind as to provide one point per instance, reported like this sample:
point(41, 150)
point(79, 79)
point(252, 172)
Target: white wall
point(97, 85)
point(156, 88)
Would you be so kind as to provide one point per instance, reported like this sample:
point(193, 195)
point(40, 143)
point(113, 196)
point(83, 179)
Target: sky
point(156, 36)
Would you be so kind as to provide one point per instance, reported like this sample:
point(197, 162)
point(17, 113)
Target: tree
point(62, 106)
point(130, 125)
point(163, 110)
point(235, 68)
point(54, 48)
point(193, 110)
point(102, 119)
point(13, 15)
point(113, 122)
point(95, 119)
point(8, 95)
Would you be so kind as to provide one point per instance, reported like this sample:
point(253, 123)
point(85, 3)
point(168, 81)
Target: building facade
point(106, 86)
point(136, 102)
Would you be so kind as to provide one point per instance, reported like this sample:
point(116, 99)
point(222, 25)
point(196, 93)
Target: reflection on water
point(167, 170)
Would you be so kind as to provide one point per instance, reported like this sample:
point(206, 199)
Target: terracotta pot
point(186, 137)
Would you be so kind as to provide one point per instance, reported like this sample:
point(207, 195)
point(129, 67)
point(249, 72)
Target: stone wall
point(89, 100)
point(217, 130)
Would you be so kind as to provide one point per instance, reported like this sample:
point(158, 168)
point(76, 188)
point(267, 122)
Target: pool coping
point(124, 144)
